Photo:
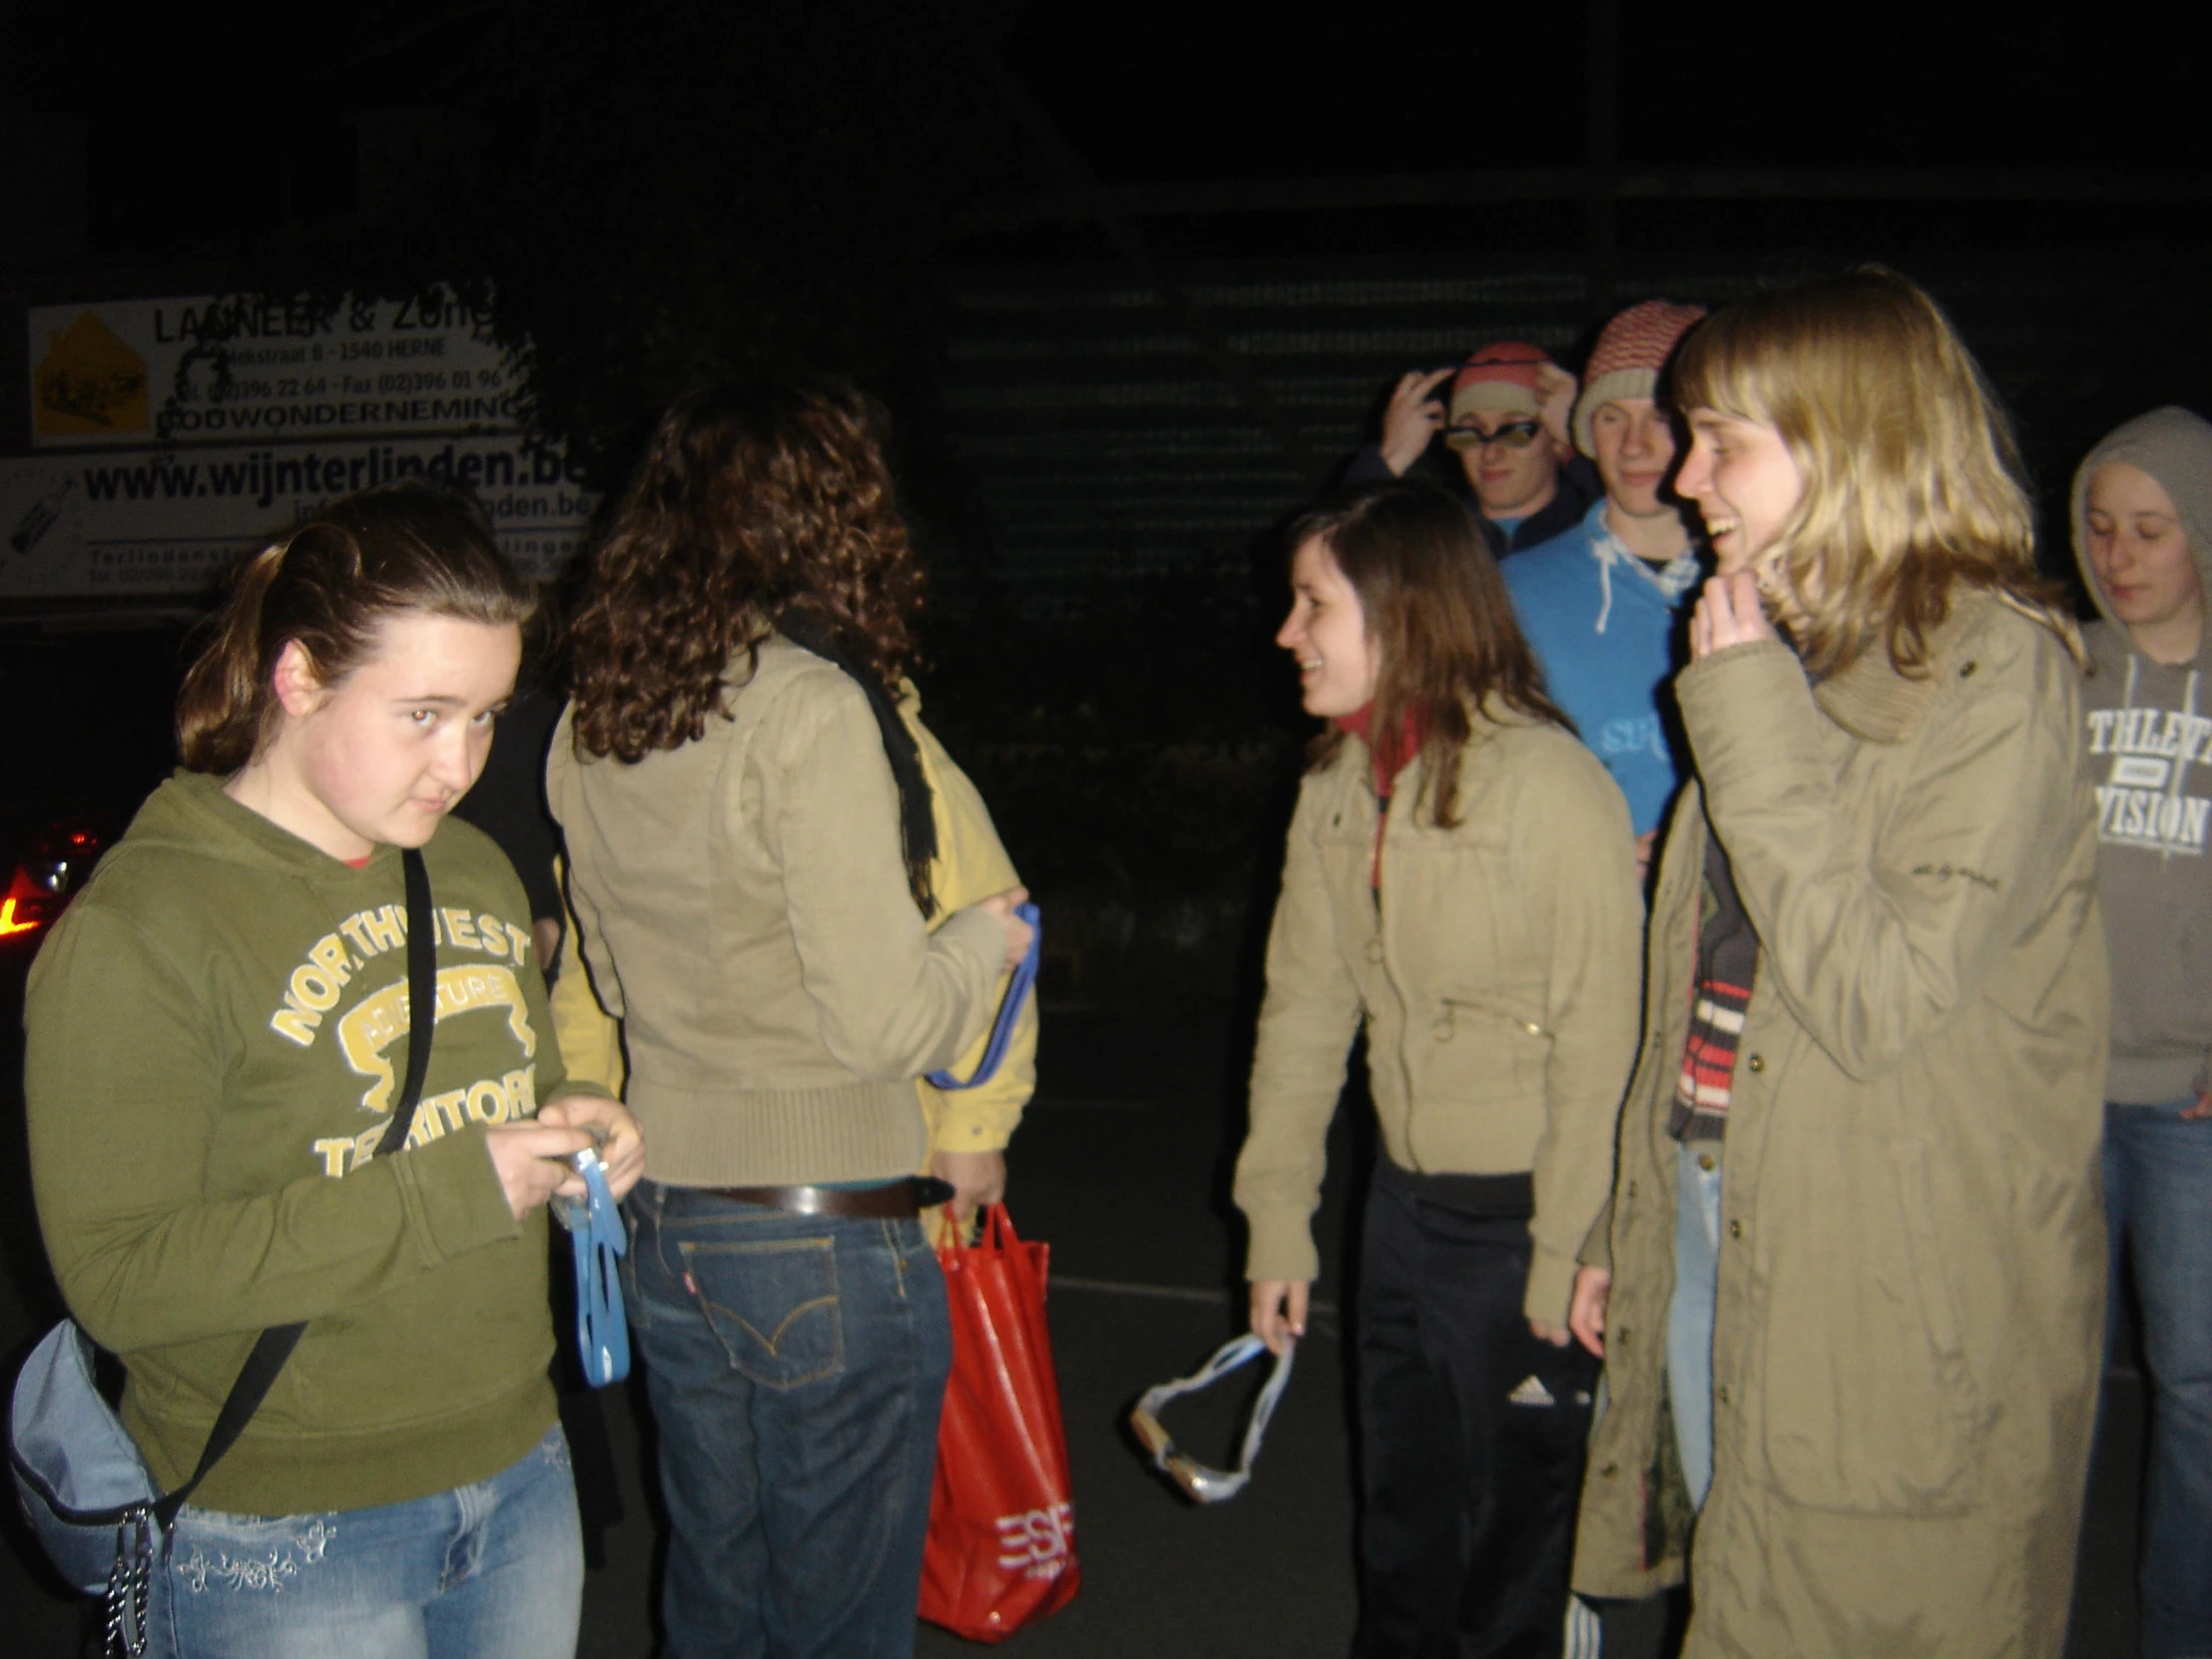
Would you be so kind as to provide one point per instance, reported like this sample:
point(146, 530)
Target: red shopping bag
point(1001, 1550)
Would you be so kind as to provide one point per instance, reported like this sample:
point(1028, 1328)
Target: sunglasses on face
point(1514, 434)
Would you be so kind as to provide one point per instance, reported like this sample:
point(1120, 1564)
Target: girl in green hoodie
point(215, 1030)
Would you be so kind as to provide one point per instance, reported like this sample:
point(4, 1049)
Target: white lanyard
point(1203, 1484)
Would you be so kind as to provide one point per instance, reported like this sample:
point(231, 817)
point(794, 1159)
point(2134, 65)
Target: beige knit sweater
point(742, 906)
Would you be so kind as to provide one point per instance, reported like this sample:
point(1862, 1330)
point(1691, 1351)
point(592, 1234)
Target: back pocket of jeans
point(773, 1304)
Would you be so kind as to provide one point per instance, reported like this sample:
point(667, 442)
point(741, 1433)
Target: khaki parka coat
point(1495, 979)
point(1911, 1294)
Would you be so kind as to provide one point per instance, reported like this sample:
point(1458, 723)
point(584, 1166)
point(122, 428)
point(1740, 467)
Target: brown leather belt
point(896, 1198)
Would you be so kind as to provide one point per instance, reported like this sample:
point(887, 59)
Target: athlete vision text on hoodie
point(2150, 747)
point(216, 1029)
point(1603, 624)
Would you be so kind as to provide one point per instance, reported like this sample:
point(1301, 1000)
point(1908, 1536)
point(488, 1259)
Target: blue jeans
point(797, 1366)
point(2159, 1204)
point(489, 1571)
point(1697, 1272)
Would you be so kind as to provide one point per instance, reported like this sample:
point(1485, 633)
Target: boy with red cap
point(1599, 601)
point(1506, 420)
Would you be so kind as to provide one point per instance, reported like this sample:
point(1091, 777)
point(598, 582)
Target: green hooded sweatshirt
point(216, 1034)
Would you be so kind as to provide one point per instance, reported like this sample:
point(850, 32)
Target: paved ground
point(1123, 1166)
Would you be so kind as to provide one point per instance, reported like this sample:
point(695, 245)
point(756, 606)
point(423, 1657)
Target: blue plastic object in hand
point(595, 1232)
point(1009, 1009)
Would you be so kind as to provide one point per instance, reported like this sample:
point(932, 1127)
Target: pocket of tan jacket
point(1869, 1404)
point(1481, 1046)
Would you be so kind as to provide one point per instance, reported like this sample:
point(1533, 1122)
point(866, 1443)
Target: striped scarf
point(1727, 959)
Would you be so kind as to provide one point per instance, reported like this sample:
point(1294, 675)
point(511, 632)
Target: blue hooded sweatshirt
point(1603, 624)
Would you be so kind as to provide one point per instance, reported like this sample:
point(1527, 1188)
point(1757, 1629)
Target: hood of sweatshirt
point(1671, 580)
point(189, 812)
point(2175, 447)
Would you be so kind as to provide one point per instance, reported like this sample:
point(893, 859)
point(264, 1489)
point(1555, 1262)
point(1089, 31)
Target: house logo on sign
point(89, 385)
point(1039, 1541)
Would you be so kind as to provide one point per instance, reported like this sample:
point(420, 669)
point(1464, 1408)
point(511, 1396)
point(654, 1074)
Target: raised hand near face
point(1729, 613)
point(1413, 416)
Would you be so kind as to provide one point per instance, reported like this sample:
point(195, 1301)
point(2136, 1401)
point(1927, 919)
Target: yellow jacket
point(970, 866)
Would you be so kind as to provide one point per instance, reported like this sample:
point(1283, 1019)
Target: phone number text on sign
point(208, 371)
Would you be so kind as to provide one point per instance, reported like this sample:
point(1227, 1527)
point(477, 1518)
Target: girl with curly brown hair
point(752, 836)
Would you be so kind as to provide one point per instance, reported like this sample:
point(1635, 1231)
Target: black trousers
point(1471, 1437)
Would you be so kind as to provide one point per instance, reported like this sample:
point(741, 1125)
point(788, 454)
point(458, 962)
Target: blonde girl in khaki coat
point(1876, 1332)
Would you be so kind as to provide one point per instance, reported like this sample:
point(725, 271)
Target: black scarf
point(918, 819)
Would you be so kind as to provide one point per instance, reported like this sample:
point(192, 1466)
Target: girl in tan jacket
point(752, 834)
point(1460, 882)
point(1858, 1350)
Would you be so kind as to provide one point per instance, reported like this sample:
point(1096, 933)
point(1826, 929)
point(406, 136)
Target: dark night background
point(1055, 238)
point(1134, 278)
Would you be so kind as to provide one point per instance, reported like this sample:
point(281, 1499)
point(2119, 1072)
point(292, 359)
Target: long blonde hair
point(1912, 480)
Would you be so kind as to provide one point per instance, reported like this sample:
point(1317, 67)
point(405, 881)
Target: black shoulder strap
point(274, 1347)
point(422, 999)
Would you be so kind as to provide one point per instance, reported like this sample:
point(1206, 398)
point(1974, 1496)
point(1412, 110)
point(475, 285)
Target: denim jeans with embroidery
point(796, 1367)
point(493, 1570)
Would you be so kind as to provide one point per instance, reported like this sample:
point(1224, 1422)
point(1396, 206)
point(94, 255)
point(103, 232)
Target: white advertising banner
point(257, 370)
point(164, 521)
point(170, 435)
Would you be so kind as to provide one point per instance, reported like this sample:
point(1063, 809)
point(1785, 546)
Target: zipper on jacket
point(1381, 936)
point(1498, 1011)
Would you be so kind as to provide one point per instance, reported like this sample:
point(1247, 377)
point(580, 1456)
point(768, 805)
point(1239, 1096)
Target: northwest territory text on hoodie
point(216, 1034)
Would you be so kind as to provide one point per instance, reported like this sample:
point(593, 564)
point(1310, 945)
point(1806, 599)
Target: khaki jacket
point(971, 865)
point(743, 908)
point(1497, 984)
point(1912, 1275)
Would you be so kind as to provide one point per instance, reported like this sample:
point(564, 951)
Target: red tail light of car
point(53, 868)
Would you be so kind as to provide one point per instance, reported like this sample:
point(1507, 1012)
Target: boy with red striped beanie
point(1598, 601)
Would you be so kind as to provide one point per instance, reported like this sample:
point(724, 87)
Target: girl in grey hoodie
point(2142, 529)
